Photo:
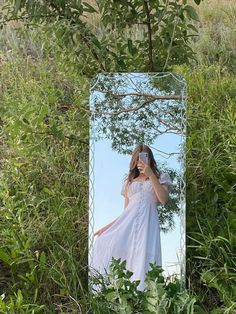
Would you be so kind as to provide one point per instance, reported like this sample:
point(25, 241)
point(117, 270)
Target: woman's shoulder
point(125, 178)
point(165, 178)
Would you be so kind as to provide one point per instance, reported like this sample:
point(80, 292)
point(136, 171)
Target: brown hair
point(133, 169)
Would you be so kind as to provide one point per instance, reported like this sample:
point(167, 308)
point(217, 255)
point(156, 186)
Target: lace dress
point(135, 235)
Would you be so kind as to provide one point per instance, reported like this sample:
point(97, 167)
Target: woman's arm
point(126, 199)
point(161, 190)
point(126, 202)
point(110, 224)
point(100, 231)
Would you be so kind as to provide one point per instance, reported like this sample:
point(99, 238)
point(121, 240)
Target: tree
point(148, 35)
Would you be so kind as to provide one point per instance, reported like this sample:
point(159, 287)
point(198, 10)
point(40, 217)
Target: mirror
point(129, 110)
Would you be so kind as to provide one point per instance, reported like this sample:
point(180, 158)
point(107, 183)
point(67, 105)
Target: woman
point(135, 235)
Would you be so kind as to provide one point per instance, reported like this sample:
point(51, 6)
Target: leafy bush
point(211, 177)
point(115, 292)
point(43, 183)
point(216, 40)
point(17, 304)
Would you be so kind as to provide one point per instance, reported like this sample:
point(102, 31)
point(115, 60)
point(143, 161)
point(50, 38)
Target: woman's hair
point(133, 169)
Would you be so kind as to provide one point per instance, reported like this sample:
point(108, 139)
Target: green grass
point(211, 177)
point(216, 43)
point(44, 182)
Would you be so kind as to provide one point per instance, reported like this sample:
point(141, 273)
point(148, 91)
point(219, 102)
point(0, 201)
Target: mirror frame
point(182, 158)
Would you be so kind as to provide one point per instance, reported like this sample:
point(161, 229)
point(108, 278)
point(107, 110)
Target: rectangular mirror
point(137, 208)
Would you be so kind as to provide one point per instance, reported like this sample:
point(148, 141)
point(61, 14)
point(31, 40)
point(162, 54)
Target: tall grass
point(216, 42)
point(44, 181)
point(211, 177)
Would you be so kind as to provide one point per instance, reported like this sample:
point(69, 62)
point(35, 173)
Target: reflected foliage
point(132, 108)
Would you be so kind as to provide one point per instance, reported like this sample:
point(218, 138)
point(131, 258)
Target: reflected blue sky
point(110, 168)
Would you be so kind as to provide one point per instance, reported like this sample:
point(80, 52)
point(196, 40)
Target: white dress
point(135, 235)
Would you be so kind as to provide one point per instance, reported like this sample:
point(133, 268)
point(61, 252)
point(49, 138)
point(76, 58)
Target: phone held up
point(144, 157)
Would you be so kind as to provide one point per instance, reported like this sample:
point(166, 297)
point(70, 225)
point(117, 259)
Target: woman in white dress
point(135, 235)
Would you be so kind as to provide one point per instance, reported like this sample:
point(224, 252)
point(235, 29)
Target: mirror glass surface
point(128, 109)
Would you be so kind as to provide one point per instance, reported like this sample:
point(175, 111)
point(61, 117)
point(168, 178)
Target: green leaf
point(192, 27)
point(111, 296)
point(130, 46)
point(4, 257)
point(121, 63)
point(96, 42)
point(19, 299)
point(48, 191)
point(26, 121)
point(191, 12)
point(42, 261)
point(89, 8)
point(17, 6)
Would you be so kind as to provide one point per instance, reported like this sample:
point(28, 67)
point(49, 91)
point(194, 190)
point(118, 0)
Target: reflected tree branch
point(138, 114)
point(170, 126)
point(123, 110)
point(160, 151)
point(167, 131)
point(154, 97)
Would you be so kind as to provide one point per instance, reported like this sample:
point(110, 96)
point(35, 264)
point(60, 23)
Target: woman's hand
point(100, 231)
point(145, 168)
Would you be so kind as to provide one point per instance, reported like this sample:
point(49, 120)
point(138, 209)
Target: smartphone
point(144, 157)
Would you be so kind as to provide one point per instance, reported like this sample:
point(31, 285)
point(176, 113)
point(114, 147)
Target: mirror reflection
point(137, 137)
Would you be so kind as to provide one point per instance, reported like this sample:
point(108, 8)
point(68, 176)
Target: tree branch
point(62, 15)
point(171, 43)
point(150, 48)
point(83, 37)
point(169, 154)
point(92, 50)
point(26, 17)
point(169, 125)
